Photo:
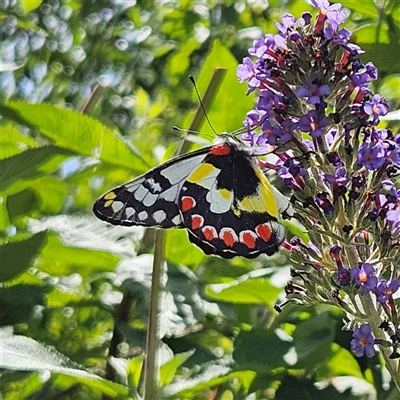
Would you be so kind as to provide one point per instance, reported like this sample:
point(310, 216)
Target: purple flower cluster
point(303, 111)
point(364, 276)
point(315, 108)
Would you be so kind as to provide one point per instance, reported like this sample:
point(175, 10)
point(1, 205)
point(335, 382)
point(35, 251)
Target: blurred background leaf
point(90, 92)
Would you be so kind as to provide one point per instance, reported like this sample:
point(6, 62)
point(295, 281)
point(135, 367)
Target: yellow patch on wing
point(204, 175)
point(225, 193)
point(109, 198)
point(263, 199)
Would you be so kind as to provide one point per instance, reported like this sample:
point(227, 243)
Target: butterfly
point(218, 193)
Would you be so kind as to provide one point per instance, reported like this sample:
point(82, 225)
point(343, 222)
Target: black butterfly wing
point(229, 207)
point(152, 198)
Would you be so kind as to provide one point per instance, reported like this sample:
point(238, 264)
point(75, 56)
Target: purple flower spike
point(291, 173)
point(363, 341)
point(371, 70)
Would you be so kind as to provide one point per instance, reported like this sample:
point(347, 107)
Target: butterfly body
point(219, 194)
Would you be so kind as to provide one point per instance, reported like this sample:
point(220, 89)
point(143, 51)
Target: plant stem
point(153, 341)
point(97, 92)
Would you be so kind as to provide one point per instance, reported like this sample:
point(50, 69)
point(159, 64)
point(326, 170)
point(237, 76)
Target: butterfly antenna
point(176, 128)
point(201, 104)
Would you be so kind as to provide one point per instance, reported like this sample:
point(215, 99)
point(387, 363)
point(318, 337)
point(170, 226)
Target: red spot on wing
point(197, 221)
point(220, 150)
point(209, 233)
point(187, 203)
point(264, 232)
point(228, 236)
point(248, 238)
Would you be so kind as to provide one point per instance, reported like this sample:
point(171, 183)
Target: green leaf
point(260, 350)
point(45, 194)
point(227, 113)
point(24, 354)
point(26, 165)
point(51, 193)
point(74, 131)
point(21, 385)
point(369, 9)
point(180, 303)
point(342, 363)
point(312, 339)
point(389, 88)
point(168, 370)
point(213, 374)
point(30, 5)
point(134, 371)
point(87, 232)
point(12, 142)
point(18, 303)
point(21, 204)
point(59, 259)
point(179, 250)
point(16, 257)
point(179, 63)
point(210, 375)
point(371, 33)
point(245, 290)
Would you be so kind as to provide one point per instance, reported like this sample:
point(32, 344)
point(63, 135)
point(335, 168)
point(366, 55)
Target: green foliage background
point(90, 92)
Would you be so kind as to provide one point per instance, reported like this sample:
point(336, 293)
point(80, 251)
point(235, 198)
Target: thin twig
point(97, 92)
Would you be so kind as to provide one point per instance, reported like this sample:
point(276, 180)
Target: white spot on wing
point(218, 203)
point(140, 193)
point(180, 170)
point(143, 215)
point(176, 220)
point(153, 185)
point(129, 212)
point(149, 199)
point(117, 205)
point(131, 186)
point(170, 194)
point(159, 216)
